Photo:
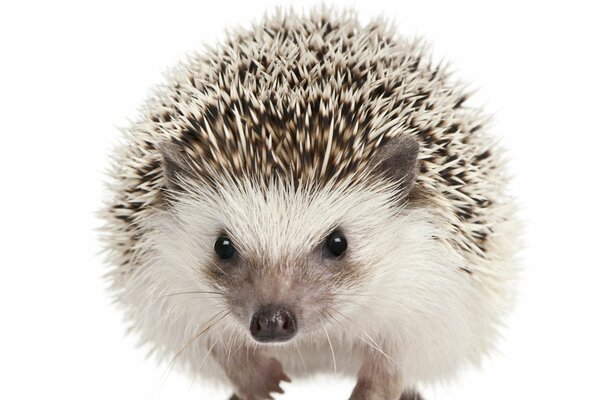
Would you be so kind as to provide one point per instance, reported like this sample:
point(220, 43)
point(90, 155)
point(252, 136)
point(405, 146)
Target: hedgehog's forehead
point(278, 217)
point(331, 144)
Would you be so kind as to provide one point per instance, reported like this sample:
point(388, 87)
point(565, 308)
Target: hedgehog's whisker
point(377, 349)
point(241, 340)
point(300, 355)
point(330, 345)
point(354, 294)
point(214, 320)
point(373, 343)
point(232, 341)
point(190, 292)
point(358, 304)
point(207, 354)
point(202, 332)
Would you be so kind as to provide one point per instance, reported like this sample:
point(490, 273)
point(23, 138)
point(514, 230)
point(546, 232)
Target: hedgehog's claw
point(257, 378)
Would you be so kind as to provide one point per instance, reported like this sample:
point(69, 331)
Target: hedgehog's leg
point(253, 375)
point(379, 378)
point(411, 395)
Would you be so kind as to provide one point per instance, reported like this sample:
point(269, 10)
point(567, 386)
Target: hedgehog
point(312, 196)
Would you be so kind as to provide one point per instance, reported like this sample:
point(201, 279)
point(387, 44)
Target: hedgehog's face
point(285, 261)
point(279, 292)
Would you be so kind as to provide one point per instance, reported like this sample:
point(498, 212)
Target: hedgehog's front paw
point(254, 376)
point(263, 378)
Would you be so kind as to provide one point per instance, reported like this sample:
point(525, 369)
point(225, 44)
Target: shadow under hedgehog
point(312, 196)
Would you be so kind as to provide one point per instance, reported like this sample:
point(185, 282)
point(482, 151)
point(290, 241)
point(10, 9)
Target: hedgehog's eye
point(335, 245)
point(224, 247)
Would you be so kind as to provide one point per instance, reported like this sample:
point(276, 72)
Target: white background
point(71, 73)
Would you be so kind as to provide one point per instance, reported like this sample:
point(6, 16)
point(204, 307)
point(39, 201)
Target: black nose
point(273, 324)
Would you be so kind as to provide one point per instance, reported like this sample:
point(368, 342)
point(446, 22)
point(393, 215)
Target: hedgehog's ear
point(397, 159)
point(174, 167)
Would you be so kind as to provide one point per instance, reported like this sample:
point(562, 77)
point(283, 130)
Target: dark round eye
point(335, 245)
point(224, 247)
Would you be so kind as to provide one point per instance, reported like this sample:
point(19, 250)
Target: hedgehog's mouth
point(273, 323)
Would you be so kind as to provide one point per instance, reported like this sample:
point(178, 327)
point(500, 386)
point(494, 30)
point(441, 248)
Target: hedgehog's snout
point(273, 323)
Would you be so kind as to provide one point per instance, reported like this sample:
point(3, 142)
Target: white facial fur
point(409, 295)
